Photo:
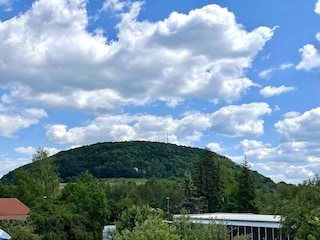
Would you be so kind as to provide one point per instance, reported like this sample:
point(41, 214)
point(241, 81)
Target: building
point(260, 227)
point(13, 209)
point(109, 231)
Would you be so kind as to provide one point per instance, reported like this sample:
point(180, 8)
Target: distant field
point(138, 181)
point(114, 181)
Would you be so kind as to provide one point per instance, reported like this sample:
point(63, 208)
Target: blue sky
point(239, 77)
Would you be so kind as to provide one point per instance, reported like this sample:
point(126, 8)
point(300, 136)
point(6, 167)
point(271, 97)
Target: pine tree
point(245, 195)
point(191, 202)
point(208, 182)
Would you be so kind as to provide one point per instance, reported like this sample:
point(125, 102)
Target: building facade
point(258, 226)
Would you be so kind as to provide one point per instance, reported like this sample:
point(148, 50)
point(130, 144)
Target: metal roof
point(236, 219)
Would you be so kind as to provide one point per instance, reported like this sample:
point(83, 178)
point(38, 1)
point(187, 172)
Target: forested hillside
point(139, 159)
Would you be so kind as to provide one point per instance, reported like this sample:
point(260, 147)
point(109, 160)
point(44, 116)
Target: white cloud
point(291, 114)
point(285, 66)
point(252, 144)
point(13, 120)
point(26, 150)
point(266, 74)
point(8, 164)
point(317, 7)
point(114, 5)
point(298, 146)
point(270, 91)
point(58, 63)
point(286, 172)
point(300, 128)
point(215, 147)
point(310, 58)
point(126, 127)
point(242, 120)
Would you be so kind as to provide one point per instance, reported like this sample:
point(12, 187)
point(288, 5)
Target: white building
point(260, 227)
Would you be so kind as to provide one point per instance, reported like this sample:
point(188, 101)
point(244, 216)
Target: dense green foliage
point(207, 179)
point(138, 159)
point(127, 159)
point(245, 195)
point(80, 212)
point(139, 226)
point(43, 171)
point(299, 206)
point(19, 230)
point(136, 215)
point(189, 231)
point(152, 228)
point(191, 202)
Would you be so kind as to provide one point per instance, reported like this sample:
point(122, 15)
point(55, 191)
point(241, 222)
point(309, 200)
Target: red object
point(13, 209)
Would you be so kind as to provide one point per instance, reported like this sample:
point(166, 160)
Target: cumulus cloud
point(270, 91)
point(286, 172)
point(298, 145)
point(13, 120)
point(241, 120)
point(51, 55)
point(127, 127)
point(304, 127)
point(269, 160)
point(310, 58)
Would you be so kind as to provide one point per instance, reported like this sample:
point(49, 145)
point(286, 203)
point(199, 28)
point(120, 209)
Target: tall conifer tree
point(208, 181)
point(245, 195)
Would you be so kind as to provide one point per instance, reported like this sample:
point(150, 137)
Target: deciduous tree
point(88, 198)
point(152, 228)
point(301, 212)
point(44, 172)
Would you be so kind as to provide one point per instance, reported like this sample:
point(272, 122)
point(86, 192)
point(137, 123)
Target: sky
point(239, 77)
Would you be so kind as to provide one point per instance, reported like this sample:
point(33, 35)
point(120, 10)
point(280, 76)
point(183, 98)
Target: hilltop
point(139, 159)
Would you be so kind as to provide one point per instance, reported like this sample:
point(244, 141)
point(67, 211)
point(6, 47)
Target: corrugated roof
point(237, 219)
point(12, 206)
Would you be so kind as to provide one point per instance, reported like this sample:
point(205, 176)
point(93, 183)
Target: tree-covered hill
point(138, 159)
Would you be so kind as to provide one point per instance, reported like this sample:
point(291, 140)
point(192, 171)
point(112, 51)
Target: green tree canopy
point(301, 212)
point(26, 188)
point(152, 228)
point(190, 231)
point(53, 220)
point(136, 215)
point(87, 197)
point(19, 230)
point(44, 172)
